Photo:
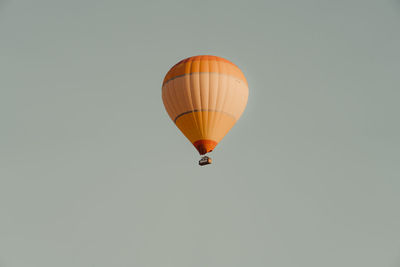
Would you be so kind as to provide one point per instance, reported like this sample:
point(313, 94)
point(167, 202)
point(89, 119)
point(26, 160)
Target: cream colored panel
point(205, 91)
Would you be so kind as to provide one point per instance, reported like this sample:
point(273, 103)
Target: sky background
point(93, 173)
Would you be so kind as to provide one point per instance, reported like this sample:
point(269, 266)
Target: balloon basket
point(205, 161)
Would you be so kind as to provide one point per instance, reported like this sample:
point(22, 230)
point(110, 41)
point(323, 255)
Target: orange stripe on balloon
point(204, 64)
point(203, 57)
point(214, 127)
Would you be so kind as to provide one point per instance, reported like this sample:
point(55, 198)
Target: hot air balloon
point(205, 96)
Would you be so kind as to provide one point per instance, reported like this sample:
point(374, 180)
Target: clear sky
point(93, 173)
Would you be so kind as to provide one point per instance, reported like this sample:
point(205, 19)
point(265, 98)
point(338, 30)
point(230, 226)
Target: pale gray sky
point(94, 174)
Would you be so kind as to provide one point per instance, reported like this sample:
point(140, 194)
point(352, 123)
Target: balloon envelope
point(205, 96)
